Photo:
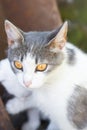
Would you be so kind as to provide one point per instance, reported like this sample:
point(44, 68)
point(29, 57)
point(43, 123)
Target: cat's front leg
point(34, 120)
point(15, 106)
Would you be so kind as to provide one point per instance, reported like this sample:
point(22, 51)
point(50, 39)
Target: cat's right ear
point(14, 35)
point(60, 38)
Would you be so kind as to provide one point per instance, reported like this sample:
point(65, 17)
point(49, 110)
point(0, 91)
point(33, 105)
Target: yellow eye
point(18, 65)
point(41, 67)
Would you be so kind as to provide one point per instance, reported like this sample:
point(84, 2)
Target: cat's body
point(56, 72)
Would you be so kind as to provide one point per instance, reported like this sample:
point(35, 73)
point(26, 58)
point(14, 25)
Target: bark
point(32, 14)
point(5, 123)
point(3, 43)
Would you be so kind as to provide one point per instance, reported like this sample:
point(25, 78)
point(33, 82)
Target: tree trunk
point(5, 123)
point(32, 14)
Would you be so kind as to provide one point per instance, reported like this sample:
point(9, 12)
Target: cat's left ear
point(59, 41)
point(13, 34)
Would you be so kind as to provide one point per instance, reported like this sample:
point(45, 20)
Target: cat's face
point(34, 55)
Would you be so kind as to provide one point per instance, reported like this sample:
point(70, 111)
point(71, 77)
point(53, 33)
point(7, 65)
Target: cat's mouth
point(32, 84)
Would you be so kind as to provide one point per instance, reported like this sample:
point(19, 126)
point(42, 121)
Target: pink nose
point(28, 83)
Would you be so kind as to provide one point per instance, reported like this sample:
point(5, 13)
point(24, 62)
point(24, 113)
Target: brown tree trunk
point(5, 123)
point(32, 14)
point(3, 43)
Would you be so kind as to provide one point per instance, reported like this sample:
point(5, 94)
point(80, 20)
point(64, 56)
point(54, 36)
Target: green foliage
point(76, 12)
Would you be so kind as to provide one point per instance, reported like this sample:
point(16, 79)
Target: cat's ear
point(58, 42)
point(13, 33)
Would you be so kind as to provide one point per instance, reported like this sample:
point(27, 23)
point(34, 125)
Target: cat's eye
point(18, 65)
point(41, 67)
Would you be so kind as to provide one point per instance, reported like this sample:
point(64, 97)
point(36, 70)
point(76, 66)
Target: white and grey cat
point(55, 70)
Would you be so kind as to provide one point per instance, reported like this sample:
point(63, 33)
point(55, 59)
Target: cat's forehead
point(29, 60)
point(36, 38)
point(36, 43)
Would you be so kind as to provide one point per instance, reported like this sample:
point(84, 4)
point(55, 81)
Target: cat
point(55, 70)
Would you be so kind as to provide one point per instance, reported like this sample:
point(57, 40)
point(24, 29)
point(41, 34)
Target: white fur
point(8, 79)
point(28, 74)
point(52, 97)
point(34, 121)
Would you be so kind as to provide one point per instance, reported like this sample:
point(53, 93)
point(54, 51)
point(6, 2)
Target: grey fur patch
point(77, 108)
point(17, 53)
point(35, 43)
point(71, 56)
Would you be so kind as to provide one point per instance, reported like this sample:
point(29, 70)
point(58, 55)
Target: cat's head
point(35, 55)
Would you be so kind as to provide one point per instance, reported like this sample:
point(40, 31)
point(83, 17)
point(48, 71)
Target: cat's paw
point(13, 106)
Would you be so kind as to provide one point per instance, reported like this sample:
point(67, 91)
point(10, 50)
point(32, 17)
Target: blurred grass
point(76, 13)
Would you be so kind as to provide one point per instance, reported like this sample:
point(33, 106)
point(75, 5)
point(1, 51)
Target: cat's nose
point(27, 83)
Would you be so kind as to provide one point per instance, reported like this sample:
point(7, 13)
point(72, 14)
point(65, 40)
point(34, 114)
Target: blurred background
point(75, 11)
